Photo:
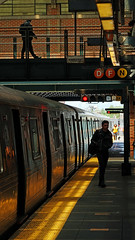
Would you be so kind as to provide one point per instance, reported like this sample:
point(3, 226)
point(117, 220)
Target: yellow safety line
point(47, 222)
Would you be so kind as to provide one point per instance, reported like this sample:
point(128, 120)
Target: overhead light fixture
point(103, 1)
point(105, 10)
point(108, 24)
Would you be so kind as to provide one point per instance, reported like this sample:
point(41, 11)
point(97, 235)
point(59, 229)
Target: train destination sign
point(114, 73)
point(114, 110)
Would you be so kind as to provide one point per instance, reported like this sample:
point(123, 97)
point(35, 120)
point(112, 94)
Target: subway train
point(42, 142)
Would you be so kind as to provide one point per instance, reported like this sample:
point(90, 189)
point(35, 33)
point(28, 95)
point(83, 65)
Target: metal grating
point(57, 95)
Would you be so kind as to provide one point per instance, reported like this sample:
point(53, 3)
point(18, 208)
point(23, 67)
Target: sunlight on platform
point(47, 222)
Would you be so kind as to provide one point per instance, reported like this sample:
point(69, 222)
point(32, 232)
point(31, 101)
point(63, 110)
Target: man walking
point(27, 33)
point(102, 138)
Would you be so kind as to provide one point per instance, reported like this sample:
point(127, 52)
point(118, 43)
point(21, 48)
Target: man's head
point(105, 125)
point(27, 22)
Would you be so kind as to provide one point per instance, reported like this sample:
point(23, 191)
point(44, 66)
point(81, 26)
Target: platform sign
point(110, 73)
point(117, 98)
point(75, 59)
point(114, 73)
point(109, 35)
point(99, 73)
point(114, 110)
point(82, 5)
point(122, 72)
point(108, 98)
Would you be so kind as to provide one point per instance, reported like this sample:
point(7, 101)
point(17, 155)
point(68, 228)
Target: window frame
point(35, 155)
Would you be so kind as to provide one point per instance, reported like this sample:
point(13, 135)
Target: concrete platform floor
point(82, 210)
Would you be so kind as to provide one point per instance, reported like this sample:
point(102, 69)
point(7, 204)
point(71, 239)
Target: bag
point(21, 29)
point(92, 149)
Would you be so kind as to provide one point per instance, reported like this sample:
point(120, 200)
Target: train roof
point(82, 111)
point(88, 113)
point(102, 116)
point(19, 98)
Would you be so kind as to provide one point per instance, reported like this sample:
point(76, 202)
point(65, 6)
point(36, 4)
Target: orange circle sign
point(98, 73)
point(110, 73)
point(122, 72)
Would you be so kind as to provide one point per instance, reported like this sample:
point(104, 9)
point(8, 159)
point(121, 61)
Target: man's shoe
point(103, 185)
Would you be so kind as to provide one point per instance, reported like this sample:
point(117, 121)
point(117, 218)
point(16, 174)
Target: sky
point(100, 105)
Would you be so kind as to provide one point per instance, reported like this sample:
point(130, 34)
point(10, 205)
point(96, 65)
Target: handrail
point(50, 44)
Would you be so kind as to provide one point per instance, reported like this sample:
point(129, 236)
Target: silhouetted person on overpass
point(27, 33)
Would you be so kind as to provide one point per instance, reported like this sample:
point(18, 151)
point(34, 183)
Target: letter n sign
point(122, 72)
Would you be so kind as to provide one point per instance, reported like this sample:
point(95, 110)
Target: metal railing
point(51, 42)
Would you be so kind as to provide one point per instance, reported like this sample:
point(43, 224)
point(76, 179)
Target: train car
point(33, 155)
point(84, 124)
point(42, 142)
point(87, 123)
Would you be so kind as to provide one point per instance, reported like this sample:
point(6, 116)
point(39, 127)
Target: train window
point(56, 134)
point(84, 128)
point(34, 138)
point(90, 128)
point(1, 162)
point(69, 131)
point(80, 130)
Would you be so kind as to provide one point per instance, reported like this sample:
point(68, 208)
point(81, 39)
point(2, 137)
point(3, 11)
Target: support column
point(65, 43)
point(75, 22)
point(126, 166)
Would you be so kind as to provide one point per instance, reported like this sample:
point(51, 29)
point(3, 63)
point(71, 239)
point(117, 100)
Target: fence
point(51, 42)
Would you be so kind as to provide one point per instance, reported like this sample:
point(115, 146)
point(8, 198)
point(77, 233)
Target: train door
point(88, 130)
point(70, 144)
point(85, 138)
point(81, 139)
point(93, 126)
point(20, 163)
point(48, 151)
point(56, 148)
point(8, 170)
point(34, 156)
point(64, 145)
point(76, 143)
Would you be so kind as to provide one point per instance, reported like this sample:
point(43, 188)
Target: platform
point(81, 210)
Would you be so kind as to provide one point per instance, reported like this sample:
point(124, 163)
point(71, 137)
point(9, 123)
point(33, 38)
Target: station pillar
point(126, 166)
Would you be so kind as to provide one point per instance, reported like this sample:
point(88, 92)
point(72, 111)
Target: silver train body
point(42, 142)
